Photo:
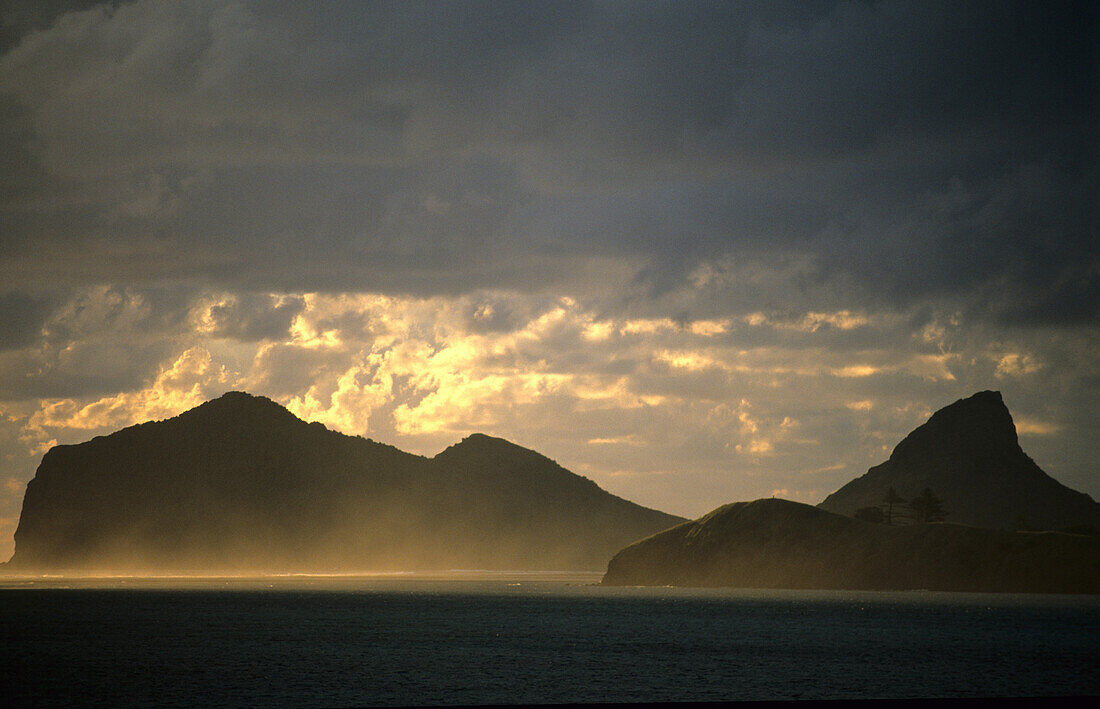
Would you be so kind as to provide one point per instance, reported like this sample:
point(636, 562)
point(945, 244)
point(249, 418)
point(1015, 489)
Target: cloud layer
point(910, 152)
point(698, 252)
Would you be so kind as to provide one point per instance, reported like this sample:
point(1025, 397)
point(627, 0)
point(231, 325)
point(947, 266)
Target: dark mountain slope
point(241, 484)
point(781, 544)
point(521, 499)
point(969, 455)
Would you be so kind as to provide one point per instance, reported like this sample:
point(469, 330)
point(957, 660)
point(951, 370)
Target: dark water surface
point(527, 639)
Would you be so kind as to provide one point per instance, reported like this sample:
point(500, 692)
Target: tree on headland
point(927, 507)
point(892, 498)
point(871, 514)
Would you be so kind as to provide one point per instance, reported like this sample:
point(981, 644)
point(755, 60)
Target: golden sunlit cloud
point(810, 322)
point(462, 403)
point(628, 440)
point(637, 473)
point(709, 328)
point(359, 392)
point(177, 388)
point(427, 367)
point(1016, 365)
point(927, 366)
point(419, 363)
point(823, 469)
point(422, 372)
point(689, 360)
point(598, 331)
point(931, 367)
point(1032, 427)
point(856, 370)
point(305, 336)
point(842, 320)
point(646, 326)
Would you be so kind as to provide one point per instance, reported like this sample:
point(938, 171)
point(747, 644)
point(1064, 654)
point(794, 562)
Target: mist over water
point(526, 638)
point(402, 581)
point(239, 485)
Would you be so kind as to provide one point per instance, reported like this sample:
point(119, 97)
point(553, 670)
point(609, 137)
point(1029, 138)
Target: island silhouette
point(964, 465)
point(241, 485)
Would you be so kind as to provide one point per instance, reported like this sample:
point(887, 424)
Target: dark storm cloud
point(912, 152)
point(86, 342)
point(253, 317)
point(100, 340)
point(20, 17)
point(21, 318)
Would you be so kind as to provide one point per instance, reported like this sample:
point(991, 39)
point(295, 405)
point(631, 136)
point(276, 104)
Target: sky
point(696, 252)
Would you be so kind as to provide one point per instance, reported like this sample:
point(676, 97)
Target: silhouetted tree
point(892, 498)
point(871, 514)
point(927, 507)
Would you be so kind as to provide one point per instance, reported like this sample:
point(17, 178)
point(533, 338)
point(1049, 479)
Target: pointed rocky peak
point(978, 425)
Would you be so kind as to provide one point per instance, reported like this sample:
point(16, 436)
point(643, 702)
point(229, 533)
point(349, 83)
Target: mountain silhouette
point(969, 455)
point(773, 543)
point(240, 484)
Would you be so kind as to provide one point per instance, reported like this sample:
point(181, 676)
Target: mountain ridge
point(239, 482)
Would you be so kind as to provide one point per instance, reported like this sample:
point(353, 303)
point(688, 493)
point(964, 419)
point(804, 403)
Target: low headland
point(773, 543)
point(958, 506)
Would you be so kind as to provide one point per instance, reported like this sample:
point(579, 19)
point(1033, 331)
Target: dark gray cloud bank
point(934, 164)
point(914, 150)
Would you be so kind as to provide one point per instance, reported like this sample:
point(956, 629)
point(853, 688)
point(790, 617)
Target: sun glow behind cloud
point(677, 414)
point(750, 397)
point(176, 388)
point(429, 365)
point(642, 269)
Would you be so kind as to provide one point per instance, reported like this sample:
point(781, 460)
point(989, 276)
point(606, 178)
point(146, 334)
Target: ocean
point(522, 639)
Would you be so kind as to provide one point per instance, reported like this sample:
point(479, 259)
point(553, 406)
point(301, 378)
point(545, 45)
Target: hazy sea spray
point(239, 484)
